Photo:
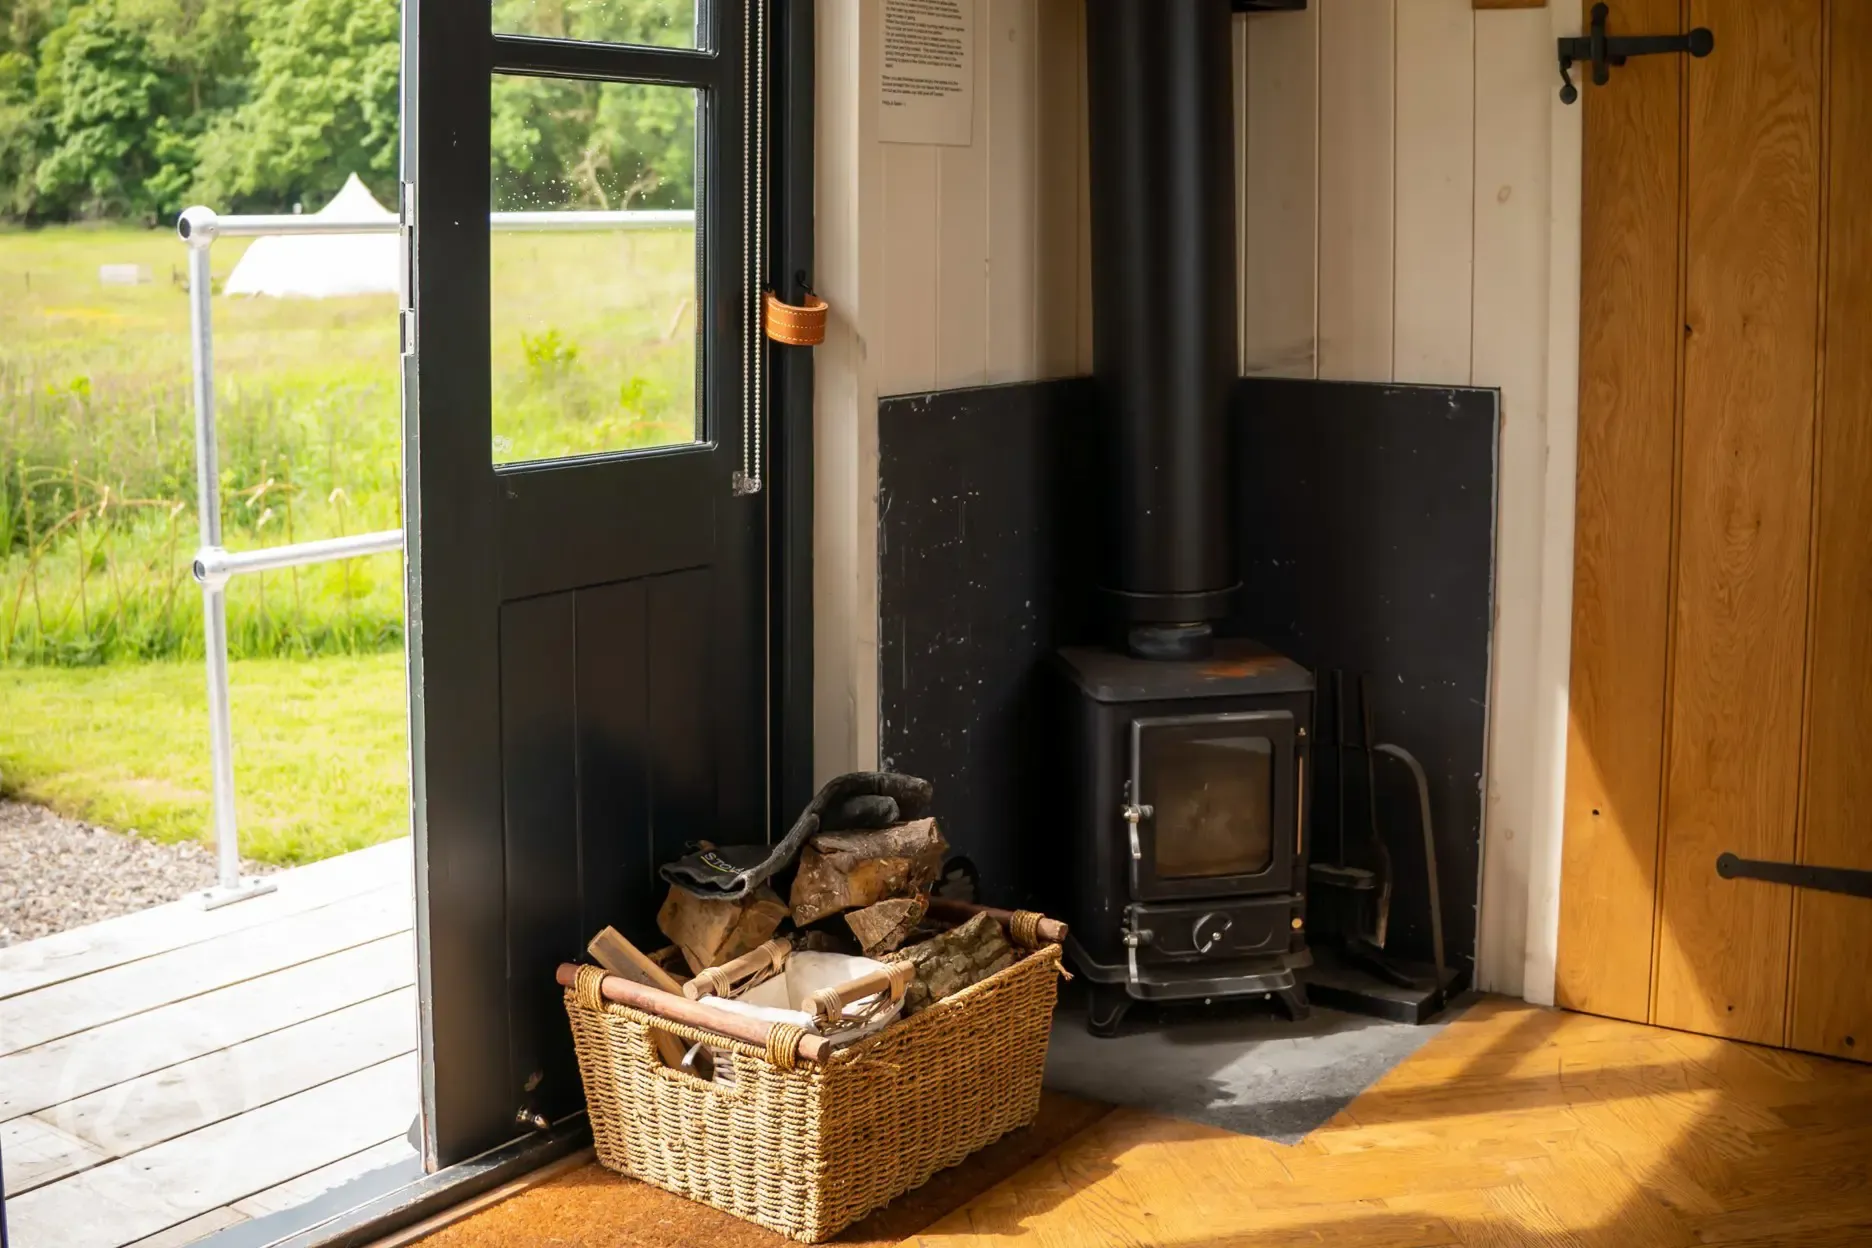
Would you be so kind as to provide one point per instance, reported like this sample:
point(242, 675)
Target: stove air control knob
point(1210, 929)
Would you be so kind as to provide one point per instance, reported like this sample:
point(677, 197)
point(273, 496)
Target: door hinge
point(1821, 879)
point(1604, 52)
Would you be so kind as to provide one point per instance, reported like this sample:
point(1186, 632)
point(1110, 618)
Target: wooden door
point(587, 571)
point(1722, 642)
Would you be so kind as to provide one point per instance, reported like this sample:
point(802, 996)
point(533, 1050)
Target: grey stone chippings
point(58, 873)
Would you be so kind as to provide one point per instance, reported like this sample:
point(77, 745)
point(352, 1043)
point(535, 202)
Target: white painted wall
point(1409, 186)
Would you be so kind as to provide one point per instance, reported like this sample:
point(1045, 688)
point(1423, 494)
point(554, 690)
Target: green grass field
point(102, 709)
point(320, 750)
point(593, 349)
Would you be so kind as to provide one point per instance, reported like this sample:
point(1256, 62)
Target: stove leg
point(1105, 1009)
point(1294, 1001)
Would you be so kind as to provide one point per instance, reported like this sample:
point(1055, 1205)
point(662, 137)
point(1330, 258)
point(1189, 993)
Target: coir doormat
point(593, 1208)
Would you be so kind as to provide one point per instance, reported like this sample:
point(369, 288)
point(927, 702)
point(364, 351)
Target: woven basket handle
point(784, 1043)
point(741, 974)
point(829, 1003)
point(1026, 928)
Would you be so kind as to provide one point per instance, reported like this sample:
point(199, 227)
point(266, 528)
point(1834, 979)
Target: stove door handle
point(1135, 814)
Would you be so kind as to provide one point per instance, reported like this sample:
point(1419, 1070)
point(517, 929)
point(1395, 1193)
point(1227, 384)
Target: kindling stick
point(617, 955)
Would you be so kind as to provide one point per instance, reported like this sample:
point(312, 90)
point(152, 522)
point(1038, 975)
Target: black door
point(587, 595)
point(1217, 796)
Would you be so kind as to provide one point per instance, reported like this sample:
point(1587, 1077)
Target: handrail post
point(214, 566)
point(197, 228)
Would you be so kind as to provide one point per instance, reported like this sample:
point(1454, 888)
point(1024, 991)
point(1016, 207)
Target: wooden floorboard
point(89, 1001)
point(40, 1077)
point(296, 1192)
point(158, 1069)
point(1517, 1126)
point(142, 1112)
point(96, 947)
point(137, 1196)
point(36, 1152)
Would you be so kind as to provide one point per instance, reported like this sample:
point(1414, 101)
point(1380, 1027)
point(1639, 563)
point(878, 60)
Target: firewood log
point(948, 963)
point(851, 870)
point(710, 932)
point(884, 927)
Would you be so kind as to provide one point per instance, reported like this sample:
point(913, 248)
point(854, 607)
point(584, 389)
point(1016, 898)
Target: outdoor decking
point(177, 1071)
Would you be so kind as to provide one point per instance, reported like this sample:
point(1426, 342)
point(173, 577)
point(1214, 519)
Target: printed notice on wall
point(926, 90)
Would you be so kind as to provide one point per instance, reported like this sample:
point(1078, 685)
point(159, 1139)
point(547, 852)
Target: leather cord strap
point(797, 325)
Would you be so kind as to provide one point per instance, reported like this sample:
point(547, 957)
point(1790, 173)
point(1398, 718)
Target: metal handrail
point(214, 565)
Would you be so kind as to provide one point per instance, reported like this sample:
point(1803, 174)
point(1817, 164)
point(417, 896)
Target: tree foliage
point(323, 104)
point(136, 108)
point(110, 110)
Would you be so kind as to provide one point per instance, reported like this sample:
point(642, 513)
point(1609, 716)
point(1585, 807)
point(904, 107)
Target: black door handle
point(1604, 51)
point(1821, 879)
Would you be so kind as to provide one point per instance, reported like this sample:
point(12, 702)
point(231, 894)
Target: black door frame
point(461, 967)
point(790, 453)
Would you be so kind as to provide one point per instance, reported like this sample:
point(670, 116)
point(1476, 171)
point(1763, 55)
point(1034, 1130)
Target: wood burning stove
point(1185, 853)
point(1187, 760)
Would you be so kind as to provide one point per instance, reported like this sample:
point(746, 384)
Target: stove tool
point(1355, 901)
point(1340, 890)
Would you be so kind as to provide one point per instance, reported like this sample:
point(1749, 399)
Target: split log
point(712, 931)
point(884, 927)
point(948, 963)
point(851, 870)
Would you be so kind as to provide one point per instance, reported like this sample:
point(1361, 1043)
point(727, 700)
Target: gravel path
point(58, 873)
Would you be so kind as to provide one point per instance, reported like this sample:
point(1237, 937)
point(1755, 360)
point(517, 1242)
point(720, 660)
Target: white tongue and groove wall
point(1408, 186)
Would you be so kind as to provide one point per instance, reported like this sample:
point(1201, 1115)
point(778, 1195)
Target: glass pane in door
point(596, 267)
point(1213, 800)
point(655, 23)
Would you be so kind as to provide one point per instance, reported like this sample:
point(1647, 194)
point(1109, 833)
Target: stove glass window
point(1214, 803)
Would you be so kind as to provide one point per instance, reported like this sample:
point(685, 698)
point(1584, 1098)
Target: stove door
point(1212, 805)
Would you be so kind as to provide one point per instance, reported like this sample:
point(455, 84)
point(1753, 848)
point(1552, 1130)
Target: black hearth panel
point(980, 574)
point(1365, 529)
point(1364, 542)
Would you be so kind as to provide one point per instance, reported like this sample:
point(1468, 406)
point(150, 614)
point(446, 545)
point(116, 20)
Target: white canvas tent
point(320, 266)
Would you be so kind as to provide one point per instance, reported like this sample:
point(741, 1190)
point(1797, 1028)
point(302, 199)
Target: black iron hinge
point(1821, 879)
point(1604, 52)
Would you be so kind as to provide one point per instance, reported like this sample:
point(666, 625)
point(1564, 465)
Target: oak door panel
point(1740, 623)
point(1832, 994)
point(1629, 345)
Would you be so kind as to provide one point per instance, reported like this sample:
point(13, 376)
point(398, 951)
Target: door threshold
point(363, 1214)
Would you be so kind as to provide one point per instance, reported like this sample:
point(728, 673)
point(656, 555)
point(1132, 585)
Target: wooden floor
point(1516, 1126)
point(177, 1071)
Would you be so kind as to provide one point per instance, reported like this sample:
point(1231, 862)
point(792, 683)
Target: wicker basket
point(809, 1150)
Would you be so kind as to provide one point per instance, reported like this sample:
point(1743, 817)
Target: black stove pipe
point(1160, 80)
